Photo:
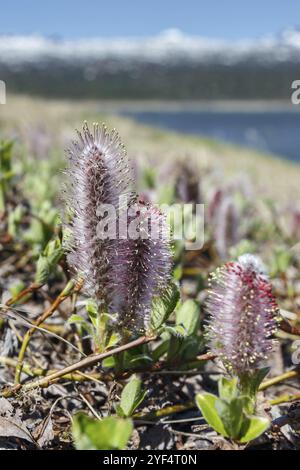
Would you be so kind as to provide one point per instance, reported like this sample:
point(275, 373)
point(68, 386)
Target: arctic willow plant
point(242, 320)
point(122, 274)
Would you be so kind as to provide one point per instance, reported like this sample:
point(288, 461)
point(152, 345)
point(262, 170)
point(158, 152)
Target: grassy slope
point(273, 177)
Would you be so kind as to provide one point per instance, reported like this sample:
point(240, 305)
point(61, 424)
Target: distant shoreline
point(268, 127)
point(188, 105)
point(124, 105)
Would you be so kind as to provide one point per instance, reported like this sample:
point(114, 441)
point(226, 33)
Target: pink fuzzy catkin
point(242, 314)
point(147, 264)
point(121, 274)
point(98, 174)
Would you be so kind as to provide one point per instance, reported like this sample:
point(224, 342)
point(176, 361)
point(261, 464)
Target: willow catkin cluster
point(121, 274)
point(242, 314)
point(147, 264)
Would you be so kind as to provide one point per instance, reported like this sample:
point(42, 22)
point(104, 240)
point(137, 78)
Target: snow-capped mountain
point(168, 46)
point(170, 65)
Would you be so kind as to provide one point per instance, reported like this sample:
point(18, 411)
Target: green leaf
point(162, 348)
point(188, 316)
point(110, 433)
point(249, 404)
point(108, 362)
point(42, 225)
point(177, 272)
point(189, 348)
point(5, 155)
point(253, 427)
point(138, 358)
point(231, 415)
point(149, 177)
point(206, 402)
point(163, 306)
point(131, 396)
point(119, 411)
point(241, 248)
point(227, 388)
point(76, 319)
point(166, 194)
point(6, 172)
point(175, 344)
point(42, 270)
point(48, 261)
point(284, 259)
point(257, 378)
point(178, 331)
point(14, 220)
point(184, 343)
point(92, 310)
point(16, 288)
point(113, 340)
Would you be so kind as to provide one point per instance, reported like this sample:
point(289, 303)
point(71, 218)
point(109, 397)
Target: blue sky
point(229, 19)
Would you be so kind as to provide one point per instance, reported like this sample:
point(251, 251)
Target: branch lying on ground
point(160, 367)
point(86, 362)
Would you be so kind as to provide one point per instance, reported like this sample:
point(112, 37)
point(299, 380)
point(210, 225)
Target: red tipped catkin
point(242, 314)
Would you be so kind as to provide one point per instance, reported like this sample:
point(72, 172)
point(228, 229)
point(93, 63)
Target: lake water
point(276, 132)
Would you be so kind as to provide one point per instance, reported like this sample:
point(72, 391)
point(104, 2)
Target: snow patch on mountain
point(169, 46)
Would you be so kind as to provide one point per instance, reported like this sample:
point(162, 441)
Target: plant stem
point(29, 290)
point(71, 287)
point(86, 362)
point(39, 372)
point(285, 399)
point(280, 378)
point(288, 328)
point(168, 410)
